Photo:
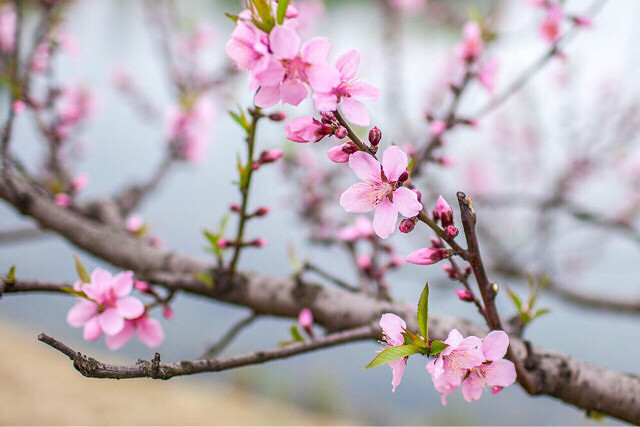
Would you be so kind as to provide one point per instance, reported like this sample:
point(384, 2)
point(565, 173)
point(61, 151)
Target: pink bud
point(464, 295)
point(134, 223)
point(451, 272)
point(156, 241)
point(375, 135)
point(63, 200)
point(167, 312)
point(446, 161)
point(223, 243)
point(255, 166)
point(18, 106)
point(404, 176)
point(349, 147)
point(262, 211)
point(363, 261)
point(443, 212)
point(142, 286)
point(407, 225)
point(278, 117)
point(451, 231)
point(438, 127)
point(80, 182)
point(583, 21)
point(337, 155)
point(270, 156)
point(259, 242)
point(341, 132)
point(235, 208)
point(426, 256)
point(305, 318)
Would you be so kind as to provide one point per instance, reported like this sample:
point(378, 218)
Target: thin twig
point(336, 281)
point(92, 368)
point(231, 334)
point(352, 135)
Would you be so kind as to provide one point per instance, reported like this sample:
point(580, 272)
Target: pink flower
point(80, 182)
point(550, 25)
point(149, 331)
point(76, 103)
point(248, 47)
point(305, 319)
point(62, 200)
point(363, 261)
point(18, 106)
point(495, 372)
point(426, 256)
point(471, 46)
point(449, 368)
point(188, 129)
point(287, 70)
point(134, 223)
point(108, 305)
point(487, 75)
point(8, 23)
point(381, 190)
point(305, 129)
point(392, 329)
point(346, 90)
point(361, 229)
point(464, 294)
point(438, 127)
point(443, 212)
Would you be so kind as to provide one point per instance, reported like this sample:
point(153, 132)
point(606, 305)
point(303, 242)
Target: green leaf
point(82, 272)
point(234, 18)
point(436, 347)
point(241, 119)
point(293, 258)
point(211, 237)
point(282, 10)
point(413, 339)
point(423, 312)
point(206, 279)
point(541, 312)
point(11, 276)
point(295, 334)
point(392, 353)
point(516, 300)
point(263, 7)
point(72, 291)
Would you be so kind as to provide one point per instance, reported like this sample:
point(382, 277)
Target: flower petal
point(150, 332)
point(393, 326)
point(356, 198)
point(81, 313)
point(355, 112)
point(115, 342)
point(385, 217)
point(501, 373)
point(130, 307)
point(323, 77)
point(267, 96)
point(316, 50)
point(407, 202)
point(122, 283)
point(111, 321)
point(364, 90)
point(325, 101)
point(348, 64)
point(92, 329)
point(494, 346)
point(284, 42)
point(293, 92)
point(394, 162)
point(100, 279)
point(472, 387)
point(365, 166)
point(397, 366)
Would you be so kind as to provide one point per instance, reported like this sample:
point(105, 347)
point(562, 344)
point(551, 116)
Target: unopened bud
point(262, 211)
point(18, 106)
point(451, 231)
point(349, 147)
point(327, 118)
point(451, 272)
point(404, 176)
point(407, 225)
point(167, 312)
point(270, 156)
point(234, 208)
point(278, 117)
point(375, 135)
point(341, 132)
point(259, 242)
point(464, 295)
point(255, 166)
point(435, 242)
point(142, 286)
point(223, 243)
point(363, 261)
point(438, 127)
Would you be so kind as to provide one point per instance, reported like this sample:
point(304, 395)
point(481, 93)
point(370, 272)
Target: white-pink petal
point(267, 96)
point(150, 332)
point(284, 42)
point(316, 50)
point(393, 326)
point(81, 313)
point(355, 112)
point(364, 90)
point(111, 322)
point(501, 373)
point(323, 77)
point(92, 329)
point(394, 162)
point(348, 64)
point(407, 202)
point(494, 346)
point(385, 217)
point(115, 342)
point(365, 166)
point(122, 283)
point(130, 307)
point(397, 368)
point(356, 199)
point(293, 92)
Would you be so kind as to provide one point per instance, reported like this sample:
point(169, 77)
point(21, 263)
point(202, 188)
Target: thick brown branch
point(92, 368)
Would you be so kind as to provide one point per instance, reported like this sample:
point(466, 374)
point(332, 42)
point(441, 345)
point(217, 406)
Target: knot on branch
point(154, 369)
point(87, 366)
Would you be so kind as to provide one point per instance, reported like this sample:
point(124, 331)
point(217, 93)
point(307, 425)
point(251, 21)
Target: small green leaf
point(295, 334)
point(234, 18)
point(423, 312)
point(241, 119)
point(414, 339)
point(82, 272)
point(282, 10)
point(11, 276)
point(263, 7)
point(436, 347)
point(206, 279)
point(392, 353)
point(541, 312)
point(211, 237)
point(516, 300)
point(293, 258)
point(72, 291)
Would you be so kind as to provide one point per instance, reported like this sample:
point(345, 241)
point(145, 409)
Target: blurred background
point(583, 102)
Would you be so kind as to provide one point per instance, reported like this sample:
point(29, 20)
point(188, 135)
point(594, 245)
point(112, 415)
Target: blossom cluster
point(468, 363)
point(106, 306)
